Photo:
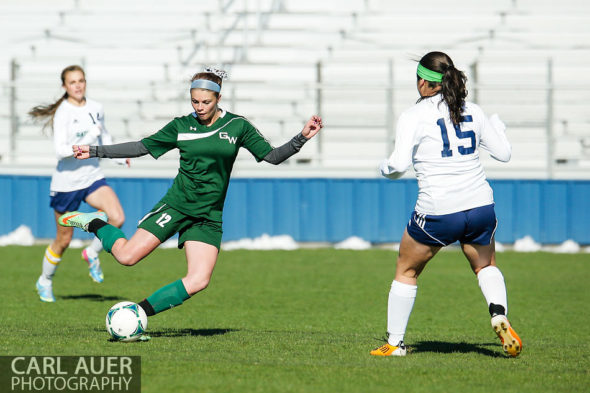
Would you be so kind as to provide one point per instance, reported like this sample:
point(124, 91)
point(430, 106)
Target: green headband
point(429, 75)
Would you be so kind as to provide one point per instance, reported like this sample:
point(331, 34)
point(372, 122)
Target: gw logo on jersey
point(231, 139)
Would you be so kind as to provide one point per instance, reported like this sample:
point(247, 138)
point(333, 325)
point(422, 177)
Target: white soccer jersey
point(446, 158)
point(77, 125)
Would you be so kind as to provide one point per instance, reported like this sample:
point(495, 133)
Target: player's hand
point(312, 127)
point(81, 152)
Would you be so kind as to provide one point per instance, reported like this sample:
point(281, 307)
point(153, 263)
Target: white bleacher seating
point(139, 56)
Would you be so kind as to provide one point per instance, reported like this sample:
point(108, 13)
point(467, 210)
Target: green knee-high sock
point(169, 296)
point(108, 235)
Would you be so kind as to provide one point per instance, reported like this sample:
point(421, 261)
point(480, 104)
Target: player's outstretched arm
point(281, 153)
point(119, 150)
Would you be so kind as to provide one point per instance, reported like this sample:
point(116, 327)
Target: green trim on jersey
point(207, 156)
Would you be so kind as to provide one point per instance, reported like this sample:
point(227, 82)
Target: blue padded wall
point(323, 210)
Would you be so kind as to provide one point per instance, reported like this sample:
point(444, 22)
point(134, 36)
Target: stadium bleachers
point(352, 61)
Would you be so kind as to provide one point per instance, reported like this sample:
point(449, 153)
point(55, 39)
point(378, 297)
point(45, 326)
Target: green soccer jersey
point(207, 155)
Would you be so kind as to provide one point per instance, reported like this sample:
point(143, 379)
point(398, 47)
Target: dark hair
point(48, 111)
point(210, 77)
point(453, 87)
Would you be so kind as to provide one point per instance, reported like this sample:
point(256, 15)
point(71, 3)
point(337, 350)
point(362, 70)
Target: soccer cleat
point(390, 350)
point(94, 270)
point(45, 292)
point(80, 220)
point(510, 341)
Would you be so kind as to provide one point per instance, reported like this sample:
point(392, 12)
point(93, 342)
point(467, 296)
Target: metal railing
point(318, 96)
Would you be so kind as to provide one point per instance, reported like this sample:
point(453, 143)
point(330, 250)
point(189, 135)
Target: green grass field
point(305, 321)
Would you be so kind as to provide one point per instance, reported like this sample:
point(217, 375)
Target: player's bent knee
point(196, 285)
point(117, 219)
point(477, 269)
point(127, 260)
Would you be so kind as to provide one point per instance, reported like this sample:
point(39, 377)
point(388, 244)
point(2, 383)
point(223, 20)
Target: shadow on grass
point(176, 333)
point(446, 347)
point(90, 296)
point(189, 332)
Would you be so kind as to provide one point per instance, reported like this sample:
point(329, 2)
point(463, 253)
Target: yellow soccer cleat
point(390, 350)
point(510, 341)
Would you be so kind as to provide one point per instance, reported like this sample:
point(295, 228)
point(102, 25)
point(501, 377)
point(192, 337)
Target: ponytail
point(454, 92)
point(47, 112)
point(453, 88)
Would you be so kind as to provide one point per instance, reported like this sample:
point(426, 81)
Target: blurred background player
point(75, 119)
point(440, 136)
point(208, 140)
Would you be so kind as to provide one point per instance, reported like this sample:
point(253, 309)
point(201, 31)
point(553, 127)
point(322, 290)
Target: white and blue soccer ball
point(126, 321)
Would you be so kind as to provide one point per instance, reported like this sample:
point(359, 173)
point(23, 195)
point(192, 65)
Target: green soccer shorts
point(164, 222)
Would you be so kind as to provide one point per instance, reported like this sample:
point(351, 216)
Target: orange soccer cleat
point(510, 341)
point(390, 350)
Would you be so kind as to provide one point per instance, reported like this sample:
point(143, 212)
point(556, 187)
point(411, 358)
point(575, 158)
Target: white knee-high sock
point(95, 247)
point(50, 262)
point(491, 282)
point(399, 308)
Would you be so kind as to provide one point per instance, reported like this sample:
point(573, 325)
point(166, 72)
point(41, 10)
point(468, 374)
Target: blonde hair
point(41, 112)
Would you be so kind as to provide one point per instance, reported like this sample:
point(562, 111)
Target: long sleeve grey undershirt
point(119, 150)
point(137, 149)
point(281, 153)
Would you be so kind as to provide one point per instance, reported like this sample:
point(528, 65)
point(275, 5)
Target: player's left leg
point(201, 240)
point(491, 281)
point(482, 259)
point(201, 258)
point(478, 245)
point(102, 198)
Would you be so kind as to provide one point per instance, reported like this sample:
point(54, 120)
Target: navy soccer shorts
point(473, 226)
point(63, 202)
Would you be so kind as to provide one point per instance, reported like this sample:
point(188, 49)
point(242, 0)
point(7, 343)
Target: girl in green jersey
point(208, 141)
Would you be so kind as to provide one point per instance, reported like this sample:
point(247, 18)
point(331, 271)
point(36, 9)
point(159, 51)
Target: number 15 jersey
point(445, 157)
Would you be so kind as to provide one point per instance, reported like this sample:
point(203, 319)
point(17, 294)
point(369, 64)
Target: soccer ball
point(126, 321)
